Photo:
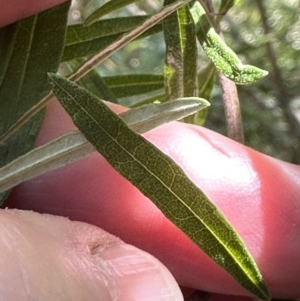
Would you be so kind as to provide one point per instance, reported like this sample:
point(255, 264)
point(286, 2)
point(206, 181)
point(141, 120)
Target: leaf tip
point(51, 75)
point(88, 21)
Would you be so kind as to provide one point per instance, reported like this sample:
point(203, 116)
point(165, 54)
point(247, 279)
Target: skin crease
point(257, 194)
point(76, 261)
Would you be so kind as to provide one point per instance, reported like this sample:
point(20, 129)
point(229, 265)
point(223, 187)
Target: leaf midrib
point(162, 182)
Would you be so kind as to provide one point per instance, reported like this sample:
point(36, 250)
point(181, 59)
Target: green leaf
point(164, 182)
point(73, 146)
point(94, 83)
point(18, 144)
point(226, 5)
point(160, 98)
point(88, 47)
point(206, 80)
point(55, 154)
point(106, 9)
point(79, 34)
point(148, 117)
point(35, 48)
point(224, 59)
point(180, 68)
point(85, 41)
point(125, 39)
point(134, 84)
point(7, 37)
point(96, 60)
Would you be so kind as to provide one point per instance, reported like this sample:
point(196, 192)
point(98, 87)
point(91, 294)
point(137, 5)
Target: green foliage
point(106, 9)
point(28, 54)
point(159, 178)
point(73, 146)
point(119, 45)
point(85, 41)
point(269, 107)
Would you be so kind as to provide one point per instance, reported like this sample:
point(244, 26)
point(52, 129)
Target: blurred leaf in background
point(269, 116)
point(271, 106)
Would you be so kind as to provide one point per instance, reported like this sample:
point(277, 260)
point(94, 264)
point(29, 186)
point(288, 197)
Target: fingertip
point(137, 275)
point(48, 256)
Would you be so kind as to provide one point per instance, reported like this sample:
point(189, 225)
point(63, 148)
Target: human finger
point(258, 195)
point(45, 257)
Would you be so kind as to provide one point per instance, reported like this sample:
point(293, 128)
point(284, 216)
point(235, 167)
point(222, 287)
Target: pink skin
point(14, 10)
point(256, 193)
point(47, 257)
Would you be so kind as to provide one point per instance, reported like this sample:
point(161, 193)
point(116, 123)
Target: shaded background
point(263, 33)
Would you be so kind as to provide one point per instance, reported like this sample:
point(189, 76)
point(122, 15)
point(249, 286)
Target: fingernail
point(133, 274)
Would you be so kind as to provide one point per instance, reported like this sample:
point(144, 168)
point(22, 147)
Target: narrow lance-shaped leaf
point(89, 47)
point(94, 61)
point(206, 80)
point(125, 39)
point(78, 33)
point(29, 49)
point(173, 67)
point(145, 118)
point(134, 84)
point(164, 182)
point(94, 83)
point(106, 9)
point(7, 40)
point(180, 68)
point(74, 146)
point(85, 41)
point(224, 59)
point(226, 5)
point(152, 99)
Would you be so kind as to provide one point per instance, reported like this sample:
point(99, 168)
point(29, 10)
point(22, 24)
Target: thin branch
point(94, 61)
point(231, 102)
point(232, 109)
point(125, 39)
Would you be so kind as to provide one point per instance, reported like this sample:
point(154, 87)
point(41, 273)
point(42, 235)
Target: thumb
point(48, 257)
point(257, 194)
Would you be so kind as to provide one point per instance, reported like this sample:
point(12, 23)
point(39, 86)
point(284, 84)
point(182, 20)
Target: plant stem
point(232, 109)
point(94, 61)
point(230, 100)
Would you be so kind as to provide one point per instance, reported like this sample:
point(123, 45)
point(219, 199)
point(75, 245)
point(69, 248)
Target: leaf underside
point(160, 179)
